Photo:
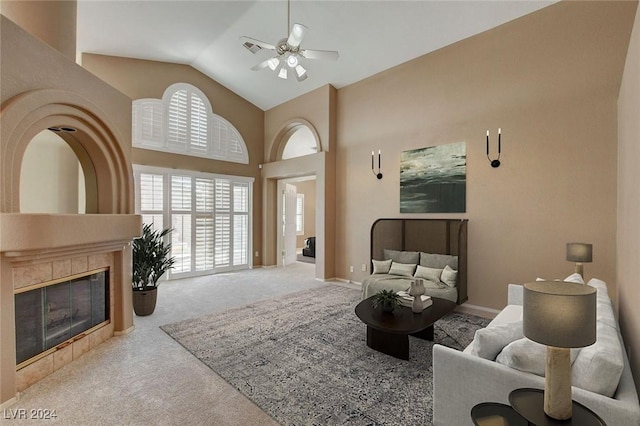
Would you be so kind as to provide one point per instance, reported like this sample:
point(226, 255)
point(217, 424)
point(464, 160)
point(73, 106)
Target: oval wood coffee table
point(389, 332)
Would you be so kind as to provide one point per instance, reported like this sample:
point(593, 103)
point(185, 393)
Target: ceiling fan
point(288, 52)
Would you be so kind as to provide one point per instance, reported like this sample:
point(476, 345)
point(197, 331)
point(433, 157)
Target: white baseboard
point(480, 311)
point(8, 403)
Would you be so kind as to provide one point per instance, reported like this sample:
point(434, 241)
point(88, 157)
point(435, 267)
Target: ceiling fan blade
point(297, 34)
point(329, 55)
point(262, 65)
point(254, 45)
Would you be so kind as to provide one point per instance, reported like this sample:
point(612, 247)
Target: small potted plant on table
point(151, 259)
point(388, 300)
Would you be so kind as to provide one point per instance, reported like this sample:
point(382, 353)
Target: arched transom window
point(183, 122)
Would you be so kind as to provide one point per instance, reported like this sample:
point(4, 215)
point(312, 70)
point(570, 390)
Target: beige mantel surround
point(40, 87)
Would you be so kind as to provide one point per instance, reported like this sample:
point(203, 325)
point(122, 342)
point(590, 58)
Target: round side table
point(496, 414)
point(529, 403)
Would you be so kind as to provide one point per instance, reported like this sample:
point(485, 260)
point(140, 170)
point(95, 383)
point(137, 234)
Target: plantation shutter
point(240, 223)
point(198, 123)
point(209, 215)
point(204, 257)
point(151, 192)
point(223, 223)
point(181, 222)
point(147, 122)
point(177, 121)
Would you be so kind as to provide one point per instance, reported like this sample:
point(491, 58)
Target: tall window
point(209, 214)
point(183, 122)
point(300, 214)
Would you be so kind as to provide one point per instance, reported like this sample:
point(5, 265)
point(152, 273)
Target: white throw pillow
point(449, 276)
point(381, 266)
point(402, 269)
point(573, 278)
point(489, 342)
point(430, 274)
point(598, 367)
point(527, 355)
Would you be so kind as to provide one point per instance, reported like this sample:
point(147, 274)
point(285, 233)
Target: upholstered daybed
point(434, 250)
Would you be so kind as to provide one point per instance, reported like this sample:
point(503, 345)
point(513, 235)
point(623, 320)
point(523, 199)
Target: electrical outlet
point(257, 254)
point(364, 267)
point(351, 268)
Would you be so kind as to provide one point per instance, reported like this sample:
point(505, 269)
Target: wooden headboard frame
point(441, 236)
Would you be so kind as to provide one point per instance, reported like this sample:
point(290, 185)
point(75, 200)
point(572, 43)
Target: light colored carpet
point(146, 378)
point(303, 359)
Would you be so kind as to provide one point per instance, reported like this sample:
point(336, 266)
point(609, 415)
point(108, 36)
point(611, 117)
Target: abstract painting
point(434, 179)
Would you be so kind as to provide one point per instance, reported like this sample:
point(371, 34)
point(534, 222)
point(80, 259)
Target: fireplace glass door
point(50, 315)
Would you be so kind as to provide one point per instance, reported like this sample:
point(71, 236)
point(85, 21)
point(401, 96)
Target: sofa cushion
point(488, 342)
point(402, 256)
point(573, 278)
point(438, 260)
point(381, 266)
point(449, 276)
point(599, 367)
point(402, 269)
point(527, 355)
point(430, 274)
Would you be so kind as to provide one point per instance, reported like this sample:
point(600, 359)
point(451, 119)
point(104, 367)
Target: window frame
point(195, 213)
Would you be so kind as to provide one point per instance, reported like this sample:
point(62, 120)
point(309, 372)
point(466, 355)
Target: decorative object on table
point(378, 174)
point(406, 300)
point(494, 414)
point(416, 291)
point(561, 316)
point(580, 253)
point(433, 180)
point(387, 300)
point(151, 259)
point(495, 163)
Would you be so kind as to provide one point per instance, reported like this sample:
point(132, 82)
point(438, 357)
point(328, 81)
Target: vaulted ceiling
point(370, 35)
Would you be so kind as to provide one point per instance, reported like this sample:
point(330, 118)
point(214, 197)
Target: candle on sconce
point(379, 155)
point(372, 154)
point(487, 142)
point(499, 134)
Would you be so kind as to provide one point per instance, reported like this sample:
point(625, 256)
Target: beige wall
point(628, 264)
point(550, 80)
point(52, 21)
point(149, 79)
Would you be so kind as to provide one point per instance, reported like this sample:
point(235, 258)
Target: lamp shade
point(559, 314)
point(579, 252)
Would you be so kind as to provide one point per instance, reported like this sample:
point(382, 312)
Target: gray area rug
point(304, 360)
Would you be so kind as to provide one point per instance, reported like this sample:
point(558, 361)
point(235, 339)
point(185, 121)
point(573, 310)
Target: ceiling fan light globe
point(273, 63)
point(283, 73)
point(301, 72)
point(292, 61)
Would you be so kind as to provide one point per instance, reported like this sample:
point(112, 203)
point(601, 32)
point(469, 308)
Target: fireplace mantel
point(28, 235)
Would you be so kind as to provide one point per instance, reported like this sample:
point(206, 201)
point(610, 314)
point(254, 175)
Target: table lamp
point(561, 316)
point(579, 253)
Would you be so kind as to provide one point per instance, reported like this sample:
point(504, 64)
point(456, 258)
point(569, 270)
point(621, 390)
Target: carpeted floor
point(304, 360)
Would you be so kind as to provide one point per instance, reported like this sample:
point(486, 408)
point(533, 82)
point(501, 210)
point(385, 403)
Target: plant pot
point(144, 301)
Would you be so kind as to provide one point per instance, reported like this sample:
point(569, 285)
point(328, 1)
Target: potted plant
point(388, 300)
point(151, 259)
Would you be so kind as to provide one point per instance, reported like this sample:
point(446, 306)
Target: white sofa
point(463, 379)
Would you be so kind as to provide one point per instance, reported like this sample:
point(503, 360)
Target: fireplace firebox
point(50, 314)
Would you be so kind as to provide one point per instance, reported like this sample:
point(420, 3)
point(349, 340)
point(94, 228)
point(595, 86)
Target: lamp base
point(580, 269)
point(557, 384)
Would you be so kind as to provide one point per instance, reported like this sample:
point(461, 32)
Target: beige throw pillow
point(430, 274)
point(449, 276)
point(402, 269)
point(381, 266)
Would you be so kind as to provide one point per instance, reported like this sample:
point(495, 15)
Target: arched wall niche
point(98, 147)
point(52, 176)
point(282, 137)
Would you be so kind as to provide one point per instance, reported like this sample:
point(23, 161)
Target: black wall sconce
point(373, 170)
point(494, 163)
